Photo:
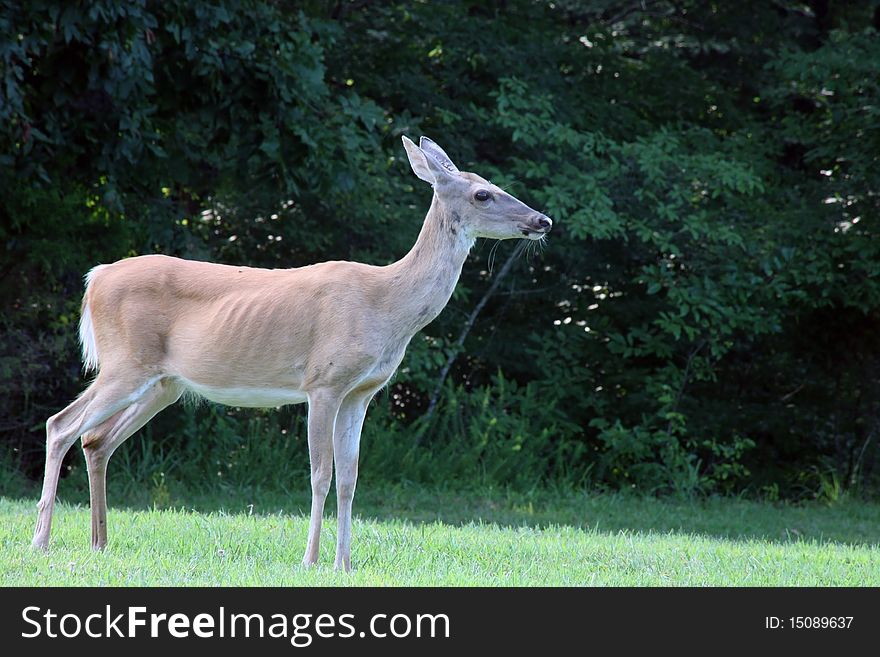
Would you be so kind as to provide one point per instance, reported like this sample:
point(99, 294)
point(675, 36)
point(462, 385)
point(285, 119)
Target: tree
point(701, 319)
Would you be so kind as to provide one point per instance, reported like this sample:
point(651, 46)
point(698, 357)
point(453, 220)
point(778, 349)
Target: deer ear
point(418, 161)
point(427, 165)
point(430, 147)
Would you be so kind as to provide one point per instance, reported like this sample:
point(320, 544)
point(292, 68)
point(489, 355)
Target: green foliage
point(703, 317)
point(501, 434)
point(222, 449)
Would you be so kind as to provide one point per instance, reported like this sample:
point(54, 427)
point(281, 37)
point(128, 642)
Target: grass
point(412, 537)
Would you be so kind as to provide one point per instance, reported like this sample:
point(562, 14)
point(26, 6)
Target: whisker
point(492, 252)
point(533, 249)
point(508, 186)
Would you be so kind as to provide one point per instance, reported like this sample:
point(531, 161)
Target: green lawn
point(415, 538)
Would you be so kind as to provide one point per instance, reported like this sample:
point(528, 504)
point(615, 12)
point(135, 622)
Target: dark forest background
point(703, 318)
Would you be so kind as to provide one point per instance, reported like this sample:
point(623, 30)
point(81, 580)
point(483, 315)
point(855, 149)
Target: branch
point(684, 379)
point(468, 325)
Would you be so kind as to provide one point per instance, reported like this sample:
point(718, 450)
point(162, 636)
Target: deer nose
point(544, 223)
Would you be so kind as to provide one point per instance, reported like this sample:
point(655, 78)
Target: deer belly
point(250, 397)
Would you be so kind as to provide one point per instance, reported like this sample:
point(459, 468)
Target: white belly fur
point(248, 397)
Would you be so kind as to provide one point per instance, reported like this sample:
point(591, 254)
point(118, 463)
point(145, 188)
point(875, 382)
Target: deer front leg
point(323, 408)
point(346, 447)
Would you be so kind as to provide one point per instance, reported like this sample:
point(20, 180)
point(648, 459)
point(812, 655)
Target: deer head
point(483, 209)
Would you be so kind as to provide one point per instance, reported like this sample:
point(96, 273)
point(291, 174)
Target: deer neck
point(423, 280)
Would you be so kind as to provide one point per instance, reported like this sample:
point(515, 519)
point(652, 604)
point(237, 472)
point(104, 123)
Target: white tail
point(331, 334)
point(87, 330)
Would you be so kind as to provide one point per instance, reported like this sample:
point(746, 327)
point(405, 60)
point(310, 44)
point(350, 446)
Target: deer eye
point(482, 196)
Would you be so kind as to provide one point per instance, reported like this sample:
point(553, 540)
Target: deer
point(330, 335)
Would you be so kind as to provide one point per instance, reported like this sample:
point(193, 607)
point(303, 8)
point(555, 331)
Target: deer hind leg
point(100, 443)
point(323, 408)
point(346, 447)
point(104, 398)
